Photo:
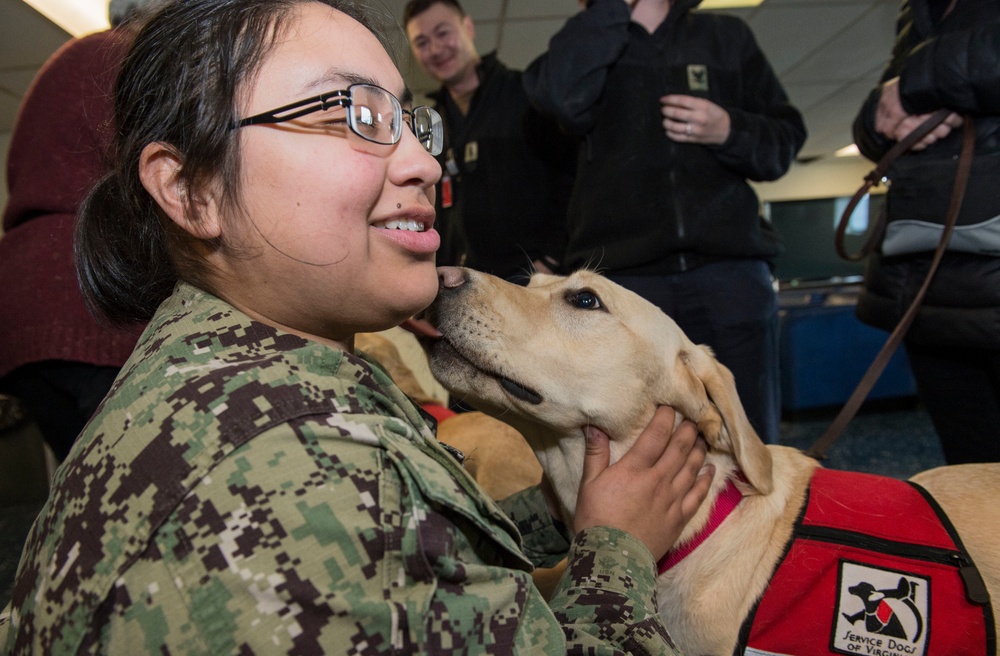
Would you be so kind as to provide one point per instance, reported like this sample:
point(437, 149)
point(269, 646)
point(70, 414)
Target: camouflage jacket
point(243, 490)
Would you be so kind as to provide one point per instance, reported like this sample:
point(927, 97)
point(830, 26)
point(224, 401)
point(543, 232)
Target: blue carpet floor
point(893, 440)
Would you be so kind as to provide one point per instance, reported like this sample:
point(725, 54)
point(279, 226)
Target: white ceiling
point(828, 53)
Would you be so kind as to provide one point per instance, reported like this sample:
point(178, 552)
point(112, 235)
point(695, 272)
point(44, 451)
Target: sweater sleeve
point(766, 131)
point(543, 540)
point(958, 70)
point(870, 143)
point(606, 600)
point(568, 79)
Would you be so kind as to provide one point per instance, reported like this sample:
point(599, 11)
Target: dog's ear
point(722, 419)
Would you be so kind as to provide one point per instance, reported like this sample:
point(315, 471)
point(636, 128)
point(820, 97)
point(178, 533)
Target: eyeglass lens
point(376, 116)
point(428, 128)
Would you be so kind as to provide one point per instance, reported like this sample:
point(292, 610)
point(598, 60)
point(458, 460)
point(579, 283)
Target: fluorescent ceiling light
point(78, 17)
point(728, 4)
point(848, 151)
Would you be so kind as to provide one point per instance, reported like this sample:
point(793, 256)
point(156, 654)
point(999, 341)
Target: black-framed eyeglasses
point(370, 112)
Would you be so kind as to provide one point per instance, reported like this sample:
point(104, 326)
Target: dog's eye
point(585, 301)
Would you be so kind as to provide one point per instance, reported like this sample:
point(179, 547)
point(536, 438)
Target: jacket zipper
point(975, 587)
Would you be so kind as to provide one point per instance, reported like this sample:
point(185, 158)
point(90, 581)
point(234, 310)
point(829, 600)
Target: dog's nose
point(450, 277)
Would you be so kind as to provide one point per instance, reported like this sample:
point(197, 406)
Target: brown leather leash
point(853, 404)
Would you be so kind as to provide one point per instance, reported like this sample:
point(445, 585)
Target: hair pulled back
point(179, 84)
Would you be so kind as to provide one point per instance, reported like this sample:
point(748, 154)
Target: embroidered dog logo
point(879, 616)
point(880, 611)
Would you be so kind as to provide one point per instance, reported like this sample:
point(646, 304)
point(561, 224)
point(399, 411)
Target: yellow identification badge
point(697, 77)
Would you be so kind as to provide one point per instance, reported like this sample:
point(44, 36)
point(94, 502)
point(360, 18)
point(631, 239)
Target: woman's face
point(325, 245)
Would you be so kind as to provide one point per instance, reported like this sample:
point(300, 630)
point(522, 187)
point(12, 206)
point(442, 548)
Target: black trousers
point(60, 397)
point(960, 389)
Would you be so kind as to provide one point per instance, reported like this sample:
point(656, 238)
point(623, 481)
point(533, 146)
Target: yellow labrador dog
point(566, 352)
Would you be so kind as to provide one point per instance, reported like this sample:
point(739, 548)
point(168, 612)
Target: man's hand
point(892, 121)
point(690, 119)
point(653, 491)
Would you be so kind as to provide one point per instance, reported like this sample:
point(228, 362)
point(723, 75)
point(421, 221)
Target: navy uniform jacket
point(510, 175)
point(243, 490)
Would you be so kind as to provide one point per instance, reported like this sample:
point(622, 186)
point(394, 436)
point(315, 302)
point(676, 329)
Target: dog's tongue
point(521, 392)
point(421, 328)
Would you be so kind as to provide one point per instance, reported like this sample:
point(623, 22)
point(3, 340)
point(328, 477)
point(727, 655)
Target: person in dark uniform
point(507, 170)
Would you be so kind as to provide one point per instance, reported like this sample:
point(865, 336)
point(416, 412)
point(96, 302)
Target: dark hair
point(179, 84)
point(416, 7)
point(121, 11)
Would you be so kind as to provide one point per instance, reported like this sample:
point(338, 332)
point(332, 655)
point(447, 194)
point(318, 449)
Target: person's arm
point(568, 79)
point(329, 532)
point(317, 535)
point(870, 143)
point(610, 576)
point(765, 132)
point(957, 70)
point(608, 591)
point(544, 540)
point(605, 601)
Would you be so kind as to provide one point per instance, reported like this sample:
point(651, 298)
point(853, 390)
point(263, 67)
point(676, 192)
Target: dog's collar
point(725, 504)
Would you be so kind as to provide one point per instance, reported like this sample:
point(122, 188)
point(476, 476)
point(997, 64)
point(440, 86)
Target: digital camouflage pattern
point(246, 491)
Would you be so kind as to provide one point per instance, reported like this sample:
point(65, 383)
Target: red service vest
point(874, 568)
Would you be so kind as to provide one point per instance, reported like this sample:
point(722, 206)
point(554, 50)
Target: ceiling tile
point(9, 105)
point(828, 53)
point(17, 80)
point(779, 30)
point(541, 9)
point(524, 40)
point(806, 96)
point(28, 38)
point(483, 9)
point(854, 51)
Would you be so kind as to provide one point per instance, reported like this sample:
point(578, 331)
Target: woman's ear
point(160, 172)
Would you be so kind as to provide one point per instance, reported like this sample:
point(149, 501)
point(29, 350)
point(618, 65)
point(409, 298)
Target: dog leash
point(873, 179)
point(871, 376)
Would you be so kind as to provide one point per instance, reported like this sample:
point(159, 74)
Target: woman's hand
point(893, 122)
point(653, 491)
point(689, 119)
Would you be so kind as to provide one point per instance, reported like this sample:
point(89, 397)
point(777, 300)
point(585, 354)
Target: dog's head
point(567, 352)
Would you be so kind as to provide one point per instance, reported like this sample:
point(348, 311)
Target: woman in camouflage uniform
point(251, 485)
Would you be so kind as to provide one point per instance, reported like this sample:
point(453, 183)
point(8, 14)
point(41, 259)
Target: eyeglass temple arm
point(308, 106)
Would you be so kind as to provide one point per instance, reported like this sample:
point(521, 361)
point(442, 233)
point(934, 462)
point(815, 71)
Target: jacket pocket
point(918, 200)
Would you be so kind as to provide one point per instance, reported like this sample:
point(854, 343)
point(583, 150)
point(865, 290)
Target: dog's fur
point(563, 353)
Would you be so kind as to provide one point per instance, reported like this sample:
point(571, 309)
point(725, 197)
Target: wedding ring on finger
point(687, 129)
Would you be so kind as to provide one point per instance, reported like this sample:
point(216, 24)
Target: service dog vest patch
point(874, 567)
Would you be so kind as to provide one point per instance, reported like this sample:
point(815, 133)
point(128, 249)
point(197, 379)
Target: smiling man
point(507, 170)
